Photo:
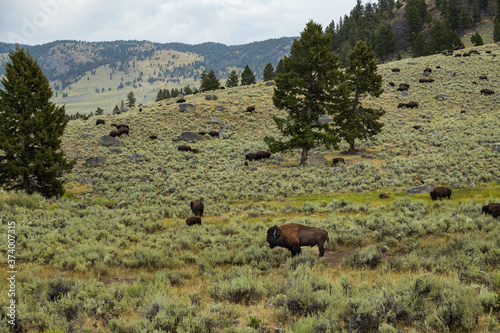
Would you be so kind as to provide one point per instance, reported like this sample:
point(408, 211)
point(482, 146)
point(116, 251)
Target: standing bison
point(440, 192)
point(197, 207)
point(492, 208)
point(293, 235)
point(193, 220)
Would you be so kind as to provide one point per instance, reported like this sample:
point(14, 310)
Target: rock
point(86, 136)
point(87, 181)
point(191, 137)
point(359, 166)
point(472, 185)
point(420, 189)
point(316, 160)
point(176, 139)
point(121, 204)
point(496, 147)
point(270, 83)
point(455, 185)
point(403, 94)
point(325, 119)
point(442, 97)
point(214, 121)
point(116, 150)
point(339, 169)
point(185, 107)
point(109, 141)
point(211, 97)
point(95, 161)
point(220, 108)
point(137, 158)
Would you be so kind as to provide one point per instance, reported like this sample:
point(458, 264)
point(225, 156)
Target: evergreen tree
point(116, 109)
point(232, 80)
point(99, 111)
point(269, 72)
point(279, 67)
point(414, 21)
point(385, 41)
point(360, 79)
point(30, 130)
point(247, 77)
point(305, 91)
point(476, 39)
point(187, 90)
point(131, 99)
point(496, 29)
point(209, 81)
point(420, 46)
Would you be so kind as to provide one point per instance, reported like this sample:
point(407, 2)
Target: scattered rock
point(442, 97)
point(95, 161)
point(185, 107)
point(211, 97)
point(116, 150)
point(270, 83)
point(472, 185)
point(316, 160)
point(214, 121)
point(359, 166)
point(191, 137)
point(496, 147)
point(121, 204)
point(137, 158)
point(220, 108)
point(339, 169)
point(109, 141)
point(420, 189)
point(87, 181)
point(455, 185)
point(86, 136)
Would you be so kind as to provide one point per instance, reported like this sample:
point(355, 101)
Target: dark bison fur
point(114, 133)
point(193, 220)
point(184, 148)
point(395, 70)
point(197, 207)
point(483, 77)
point(123, 130)
point(492, 208)
point(181, 100)
point(487, 91)
point(195, 151)
point(250, 109)
point(100, 122)
point(412, 105)
point(293, 235)
point(250, 156)
point(383, 196)
point(417, 127)
point(152, 137)
point(401, 105)
point(337, 160)
point(440, 192)
point(202, 133)
point(392, 84)
point(213, 133)
point(258, 155)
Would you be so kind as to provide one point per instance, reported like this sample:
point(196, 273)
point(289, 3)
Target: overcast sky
point(231, 22)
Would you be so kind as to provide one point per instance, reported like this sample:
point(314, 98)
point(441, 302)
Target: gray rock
point(121, 204)
point(185, 107)
point(472, 185)
point(325, 119)
point(137, 158)
point(403, 94)
point(191, 137)
point(420, 189)
point(442, 97)
point(270, 83)
point(95, 161)
point(426, 73)
point(116, 150)
point(86, 136)
point(214, 121)
point(316, 160)
point(109, 141)
point(211, 97)
point(220, 108)
point(455, 185)
point(339, 169)
point(359, 166)
point(87, 181)
point(496, 147)
point(278, 159)
point(176, 139)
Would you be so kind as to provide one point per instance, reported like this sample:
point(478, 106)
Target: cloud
point(189, 21)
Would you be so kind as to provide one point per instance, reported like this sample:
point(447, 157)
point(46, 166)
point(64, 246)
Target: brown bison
point(440, 192)
point(337, 160)
point(428, 70)
point(392, 84)
point(250, 109)
point(384, 196)
point(184, 148)
point(487, 91)
point(100, 122)
point(492, 208)
point(403, 87)
point(412, 105)
point(153, 137)
point(258, 155)
point(114, 133)
point(417, 127)
point(123, 130)
point(401, 105)
point(193, 220)
point(483, 77)
point(181, 100)
point(197, 207)
point(396, 70)
point(293, 235)
point(214, 133)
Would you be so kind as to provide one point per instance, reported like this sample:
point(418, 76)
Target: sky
point(231, 22)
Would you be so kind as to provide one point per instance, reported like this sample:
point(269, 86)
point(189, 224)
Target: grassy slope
point(241, 202)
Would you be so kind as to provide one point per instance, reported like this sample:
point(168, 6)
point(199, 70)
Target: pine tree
point(385, 41)
point(99, 111)
point(269, 72)
point(232, 80)
point(131, 99)
point(209, 81)
point(30, 130)
point(360, 79)
point(496, 29)
point(476, 39)
point(305, 91)
point(247, 77)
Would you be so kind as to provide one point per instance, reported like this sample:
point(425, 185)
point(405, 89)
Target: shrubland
point(114, 253)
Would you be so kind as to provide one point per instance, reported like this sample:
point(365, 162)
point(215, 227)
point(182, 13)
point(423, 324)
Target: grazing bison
point(153, 136)
point(202, 133)
point(483, 77)
point(401, 105)
point(214, 133)
point(417, 127)
point(383, 196)
point(193, 220)
point(197, 207)
point(337, 160)
point(487, 91)
point(100, 122)
point(428, 69)
point(122, 126)
point(392, 84)
point(114, 133)
point(426, 80)
point(184, 148)
point(492, 208)
point(403, 87)
point(440, 192)
point(250, 109)
point(123, 130)
point(258, 155)
point(195, 151)
point(412, 105)
point(396, 70)
point(293, 235)
point(181, 100)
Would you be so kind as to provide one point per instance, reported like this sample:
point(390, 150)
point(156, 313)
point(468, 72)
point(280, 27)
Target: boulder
point(316, 160)
point(211, 97)
point(86, 136)
point(442, 97)
point(214, 121)
point(270, 83)
point(220, 108)
point(109, 141)
point(191, 137)
point(420, 189)
point(185, 107)
point(496, 147)
point(95, 161)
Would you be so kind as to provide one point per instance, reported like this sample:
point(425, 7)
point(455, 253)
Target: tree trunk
point(352, 150)
point(303, 158)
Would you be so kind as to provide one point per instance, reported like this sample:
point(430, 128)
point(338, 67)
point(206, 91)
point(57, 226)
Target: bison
point(184, 148)
point(483, 77)
point(193, 220)
point(412, 105)
point(258, 155)
point(123, 130)
point(214, 133)
point(100, 122)
point(428, 70)
point(153, 137)
point(384, 196)
point(337, 160)
point(293, 235)
point(181, 100)
point(417, 127)
point(114, 133)
point(197, 207)
point(396, 70)
point(492, 208)
point(440, 192)
point(250, 109)
point(487, 91)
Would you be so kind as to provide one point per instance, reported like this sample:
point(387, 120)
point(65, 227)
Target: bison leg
point(321, 249)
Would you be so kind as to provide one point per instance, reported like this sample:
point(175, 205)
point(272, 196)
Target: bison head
point(273, 236)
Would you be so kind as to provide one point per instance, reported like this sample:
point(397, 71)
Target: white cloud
point(189, 21)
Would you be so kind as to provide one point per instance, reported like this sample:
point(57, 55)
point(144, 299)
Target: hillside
point(114, 253)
